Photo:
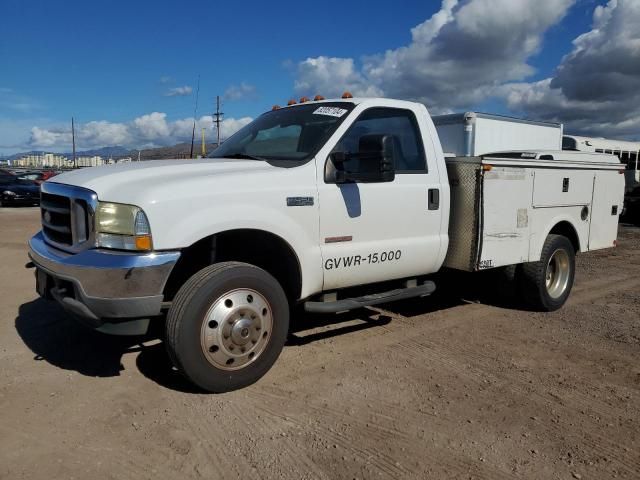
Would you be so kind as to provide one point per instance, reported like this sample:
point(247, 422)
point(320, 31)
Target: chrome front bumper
point(102, 286)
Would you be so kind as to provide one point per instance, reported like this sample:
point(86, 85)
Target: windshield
point(293, 133)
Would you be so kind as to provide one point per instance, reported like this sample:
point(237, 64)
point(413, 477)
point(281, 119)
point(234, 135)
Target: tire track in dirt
point(366, 428)
point(208, 447)
point(292, 456)
point(272, 404)
point(518, 384)
point(602, 287)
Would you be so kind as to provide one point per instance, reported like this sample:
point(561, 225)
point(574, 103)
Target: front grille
point(56, 218)
point(67, 215)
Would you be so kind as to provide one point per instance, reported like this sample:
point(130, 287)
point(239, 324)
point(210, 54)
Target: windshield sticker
point(331, 111)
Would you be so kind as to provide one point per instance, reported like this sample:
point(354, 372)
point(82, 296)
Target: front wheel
point(545, 285)
point(227, 325)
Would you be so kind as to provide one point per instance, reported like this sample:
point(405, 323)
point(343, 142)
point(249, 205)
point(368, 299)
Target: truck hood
point(128, 182)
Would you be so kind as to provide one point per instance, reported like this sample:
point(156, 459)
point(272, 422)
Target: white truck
point(299, 207)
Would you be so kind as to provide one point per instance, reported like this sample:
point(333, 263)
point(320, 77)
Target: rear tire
point(227, 326)
point(545, 285)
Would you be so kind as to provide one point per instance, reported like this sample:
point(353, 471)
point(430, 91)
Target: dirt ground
point(460, 385)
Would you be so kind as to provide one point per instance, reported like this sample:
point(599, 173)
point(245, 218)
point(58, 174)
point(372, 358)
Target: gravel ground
point(460, 385)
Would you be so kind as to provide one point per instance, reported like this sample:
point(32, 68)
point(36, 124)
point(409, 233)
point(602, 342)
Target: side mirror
point(375, 160)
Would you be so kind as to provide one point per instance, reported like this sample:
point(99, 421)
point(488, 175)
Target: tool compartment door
point(608, 197)
point(554, 187)
point(506, 212)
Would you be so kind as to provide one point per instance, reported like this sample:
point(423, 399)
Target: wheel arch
point(258, 247)
point(566, 229)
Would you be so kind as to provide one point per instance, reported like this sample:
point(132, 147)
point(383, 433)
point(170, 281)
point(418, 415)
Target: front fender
point(297, 226)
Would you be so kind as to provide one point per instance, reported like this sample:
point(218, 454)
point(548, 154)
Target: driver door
point(370, 232)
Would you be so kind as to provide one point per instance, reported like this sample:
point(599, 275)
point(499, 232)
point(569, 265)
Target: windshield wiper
point(243, 156)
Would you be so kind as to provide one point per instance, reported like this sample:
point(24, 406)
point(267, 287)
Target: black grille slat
point(57, 228)
point(52, 207)
point(56, 218)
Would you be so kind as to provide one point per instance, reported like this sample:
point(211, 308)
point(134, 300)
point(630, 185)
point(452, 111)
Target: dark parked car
point(38, 176)
point(15, 191)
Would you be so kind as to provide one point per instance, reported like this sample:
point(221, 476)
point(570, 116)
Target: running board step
point(368, 300)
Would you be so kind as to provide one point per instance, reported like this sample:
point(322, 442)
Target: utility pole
point(218, 118)
point(73, 140)
point(204, 145)
point(195, 111)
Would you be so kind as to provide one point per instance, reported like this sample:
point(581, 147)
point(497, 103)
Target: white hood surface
point(128, 182)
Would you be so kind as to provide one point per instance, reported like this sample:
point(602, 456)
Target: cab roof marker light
point(347, 95)
point(291, 102)
point(317, 98)
point(275, 107)
point(304, 100)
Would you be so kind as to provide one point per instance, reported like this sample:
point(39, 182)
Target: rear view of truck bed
point(503, 206)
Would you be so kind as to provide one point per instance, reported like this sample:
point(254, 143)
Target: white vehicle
point(473, 134)
point(627, 152)
point(297, 208)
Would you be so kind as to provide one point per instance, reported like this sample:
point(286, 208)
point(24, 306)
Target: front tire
point(227, 326)
point(545, 285)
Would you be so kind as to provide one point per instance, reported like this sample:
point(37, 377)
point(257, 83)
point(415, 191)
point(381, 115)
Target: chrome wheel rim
point(236, 329)
point(557, 274)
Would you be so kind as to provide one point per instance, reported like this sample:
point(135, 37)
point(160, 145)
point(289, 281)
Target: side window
point(400, 124)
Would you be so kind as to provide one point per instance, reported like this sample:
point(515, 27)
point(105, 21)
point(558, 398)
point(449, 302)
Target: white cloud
point(596, 88)
point(152, 126)
point(179, 91)
point(244, 91)
point(330, 77)
point(41, 137)
point(148, 130)
point(455, 58)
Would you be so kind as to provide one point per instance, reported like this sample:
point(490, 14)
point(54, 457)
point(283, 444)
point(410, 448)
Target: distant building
point(43, 160)
point(94, 161)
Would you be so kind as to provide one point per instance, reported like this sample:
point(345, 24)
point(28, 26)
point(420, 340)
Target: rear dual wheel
point(545, 285)
point(227, 326)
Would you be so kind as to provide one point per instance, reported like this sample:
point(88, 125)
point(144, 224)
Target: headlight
point(123, 227)
point(9, 193)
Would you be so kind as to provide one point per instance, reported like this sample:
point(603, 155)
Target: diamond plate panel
point(464, 222)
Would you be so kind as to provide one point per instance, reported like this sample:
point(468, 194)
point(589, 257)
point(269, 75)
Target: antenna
point(218, 118)
point(195, 110)
point(73, 140)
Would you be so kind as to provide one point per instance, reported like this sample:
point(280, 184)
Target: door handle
point(434, 199)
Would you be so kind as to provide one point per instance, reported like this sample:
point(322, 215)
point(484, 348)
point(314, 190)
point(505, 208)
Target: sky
point(128, 71)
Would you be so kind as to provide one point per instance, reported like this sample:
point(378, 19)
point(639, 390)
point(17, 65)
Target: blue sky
point(117, 61)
